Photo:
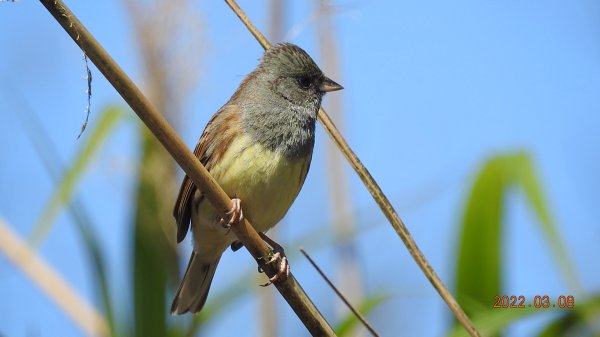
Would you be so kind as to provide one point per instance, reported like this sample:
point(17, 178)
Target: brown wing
point(214, 142)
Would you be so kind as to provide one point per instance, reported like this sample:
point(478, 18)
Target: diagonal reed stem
point(91, 322)
point(289, 288)
point(383, 202)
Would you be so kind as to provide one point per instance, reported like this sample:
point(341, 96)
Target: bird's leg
point(236, 214)
point(284, 266)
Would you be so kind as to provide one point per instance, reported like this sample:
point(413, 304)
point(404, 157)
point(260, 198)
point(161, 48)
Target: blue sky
point(432, 89)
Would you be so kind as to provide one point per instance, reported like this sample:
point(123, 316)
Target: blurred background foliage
point(165, 34)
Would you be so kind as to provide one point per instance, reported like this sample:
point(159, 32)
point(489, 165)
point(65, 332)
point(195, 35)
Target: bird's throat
point(290, 132)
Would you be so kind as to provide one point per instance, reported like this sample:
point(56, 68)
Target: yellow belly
point(265, 181)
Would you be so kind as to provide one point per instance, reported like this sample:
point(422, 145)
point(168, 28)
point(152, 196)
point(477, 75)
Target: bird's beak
point(328, 85)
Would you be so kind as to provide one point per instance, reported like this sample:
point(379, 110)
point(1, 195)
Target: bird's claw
point(283, 270)
point(284, 267)
point(236, 213)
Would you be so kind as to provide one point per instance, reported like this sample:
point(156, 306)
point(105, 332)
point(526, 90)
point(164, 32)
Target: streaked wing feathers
point(220, 131)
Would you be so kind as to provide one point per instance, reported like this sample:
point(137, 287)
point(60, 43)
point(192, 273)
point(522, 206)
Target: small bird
point(258, 147)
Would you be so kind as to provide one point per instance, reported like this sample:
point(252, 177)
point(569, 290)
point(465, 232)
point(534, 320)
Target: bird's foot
point(284, 266)
point(283, 270)
point(236, 213)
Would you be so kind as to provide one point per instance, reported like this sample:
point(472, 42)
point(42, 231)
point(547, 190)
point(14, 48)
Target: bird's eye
point(304, 82)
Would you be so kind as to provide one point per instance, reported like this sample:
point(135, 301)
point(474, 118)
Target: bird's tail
point(194, 287)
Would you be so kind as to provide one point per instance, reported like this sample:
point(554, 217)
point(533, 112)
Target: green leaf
point(491, 322)
point(350, 321)
point(478, 275)
point(580, 321)
point(83, 223)
point(155, 264)
point(64, 191)
point(478, 266)
point(529, 182)
point(50, 157)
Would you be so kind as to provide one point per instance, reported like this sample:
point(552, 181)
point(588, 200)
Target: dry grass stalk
point(51, 283)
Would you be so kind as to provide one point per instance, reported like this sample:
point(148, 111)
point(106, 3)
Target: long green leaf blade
point(48, 153)
point(155, 264)
point(478, 266)
point(528, 179)
point(64, 191)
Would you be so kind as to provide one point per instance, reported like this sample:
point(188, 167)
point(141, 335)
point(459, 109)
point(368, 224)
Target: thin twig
point(383, 202)
point(50, 282)
point(88, 78)
point(342, 297)
point(289, 287)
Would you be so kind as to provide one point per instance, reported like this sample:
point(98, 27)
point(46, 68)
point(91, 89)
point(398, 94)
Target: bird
point(258, 147)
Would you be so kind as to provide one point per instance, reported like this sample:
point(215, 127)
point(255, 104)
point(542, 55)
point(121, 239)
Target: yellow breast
point(266, 181)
